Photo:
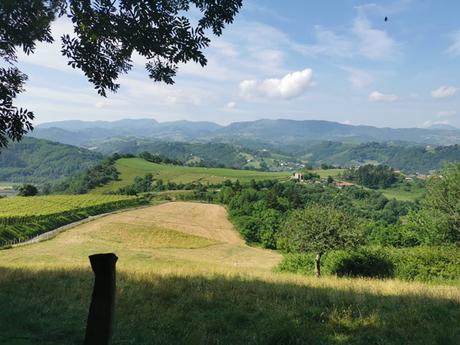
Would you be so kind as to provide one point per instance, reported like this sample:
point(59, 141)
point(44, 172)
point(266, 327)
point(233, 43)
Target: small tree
point(28, 190)
point(319, 229)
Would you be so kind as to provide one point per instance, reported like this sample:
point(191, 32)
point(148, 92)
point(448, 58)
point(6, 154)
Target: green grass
point(8, 184)
point(176, 288)
point(176, 309)
point(399, 193)
point(324, 173)
point(129, 168)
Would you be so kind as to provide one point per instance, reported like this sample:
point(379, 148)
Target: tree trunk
point(318, 265)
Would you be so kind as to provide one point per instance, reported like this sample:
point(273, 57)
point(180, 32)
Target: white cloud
point(444, 92)
point(328, 43)
point(231, 105)
point(446, 113)
point(381, 97)
point(225, 48)
point(290, 86)
point(162, 94)
point(430, 123)
point(359, 78)
point(49, 54)
point(454, 48)
point(373, 44)
point(360, 40)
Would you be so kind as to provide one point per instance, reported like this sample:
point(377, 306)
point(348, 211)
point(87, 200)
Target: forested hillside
point(409, 158)
point(42, 161)
point(207, 154)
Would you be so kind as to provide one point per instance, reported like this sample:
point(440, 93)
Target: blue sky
point(328, 60)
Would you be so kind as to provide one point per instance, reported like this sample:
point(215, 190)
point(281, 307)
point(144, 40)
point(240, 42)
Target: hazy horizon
point(229, 123)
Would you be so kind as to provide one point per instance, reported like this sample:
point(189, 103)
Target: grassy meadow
point(186, 277)
point(403, 194)
point(129, 168)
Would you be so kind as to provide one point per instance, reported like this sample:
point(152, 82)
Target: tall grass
point(190, 307)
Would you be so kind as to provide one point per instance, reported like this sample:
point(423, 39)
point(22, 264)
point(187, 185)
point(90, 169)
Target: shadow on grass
point(50, 307)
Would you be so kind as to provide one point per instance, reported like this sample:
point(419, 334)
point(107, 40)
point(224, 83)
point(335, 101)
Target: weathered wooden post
point(100, 318)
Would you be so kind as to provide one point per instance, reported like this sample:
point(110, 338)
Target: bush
point(427, 263)
point(391, 235)
point(364, 262)
point(419, 263)
point(28, 190)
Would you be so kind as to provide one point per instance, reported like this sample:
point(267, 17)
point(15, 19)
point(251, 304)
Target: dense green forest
point(93, 177)
point(42, 161)
point(408, 158)
point(372, 176)
point(259, 209)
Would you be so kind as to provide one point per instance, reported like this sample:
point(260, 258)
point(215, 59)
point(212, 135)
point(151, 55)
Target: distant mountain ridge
point(281, 131)
point(82, 133)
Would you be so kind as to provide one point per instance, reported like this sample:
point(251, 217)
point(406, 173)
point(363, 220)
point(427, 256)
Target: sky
point(324, 60)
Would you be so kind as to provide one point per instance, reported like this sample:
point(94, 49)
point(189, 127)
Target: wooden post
point(100, 318)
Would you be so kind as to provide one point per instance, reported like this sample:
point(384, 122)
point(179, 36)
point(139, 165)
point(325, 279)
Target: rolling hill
point(84, 133)
point(129, 168)
point(408, 158)
point(42, 161)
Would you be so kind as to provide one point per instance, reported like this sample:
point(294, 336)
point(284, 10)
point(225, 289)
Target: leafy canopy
point(439, 220)
point(319, 229)
point(106, 34)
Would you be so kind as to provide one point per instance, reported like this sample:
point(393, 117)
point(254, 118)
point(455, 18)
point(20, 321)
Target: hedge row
point(419, 263)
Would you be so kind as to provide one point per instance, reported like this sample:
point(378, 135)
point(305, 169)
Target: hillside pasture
point(184, 277)
point(129, 168)
point(402, 193)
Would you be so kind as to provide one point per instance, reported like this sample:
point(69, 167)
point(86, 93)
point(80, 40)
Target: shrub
point(427, 263)
point(364, 262)
point(420, 263)
point(28, 190)
point(391, 235)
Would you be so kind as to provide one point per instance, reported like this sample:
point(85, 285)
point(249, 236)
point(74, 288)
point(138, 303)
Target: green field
point(184, 277)
point(324, 173)
point(129, 168)
point(400, 193)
